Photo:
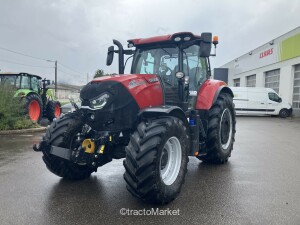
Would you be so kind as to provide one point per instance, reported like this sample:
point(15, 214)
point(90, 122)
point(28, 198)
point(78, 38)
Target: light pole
point(55, 79)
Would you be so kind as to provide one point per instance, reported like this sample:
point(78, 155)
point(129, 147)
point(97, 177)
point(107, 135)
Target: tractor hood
point(145, 88)
point(114, 101)
point(126, 78)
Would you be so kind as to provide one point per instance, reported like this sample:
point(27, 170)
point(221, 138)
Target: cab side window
point(147, 66)
point(198, 73)
point(274, 97)
point(196, 66)
point(18, 81)
point(34, 84)
point(25, 82)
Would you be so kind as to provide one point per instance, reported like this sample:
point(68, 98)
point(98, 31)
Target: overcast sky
point(78, 32)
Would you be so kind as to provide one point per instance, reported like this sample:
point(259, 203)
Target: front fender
point(163, 111)
point(23, 92)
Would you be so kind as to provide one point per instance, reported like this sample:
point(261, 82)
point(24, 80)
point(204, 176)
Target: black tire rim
point(284, 113)
point(225, 131)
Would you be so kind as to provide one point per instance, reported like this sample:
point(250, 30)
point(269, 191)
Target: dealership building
point(275, 65)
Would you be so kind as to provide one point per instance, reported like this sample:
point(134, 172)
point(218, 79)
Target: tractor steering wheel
point(164, 69)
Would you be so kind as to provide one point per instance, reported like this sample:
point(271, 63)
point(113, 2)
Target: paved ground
point(259, 185)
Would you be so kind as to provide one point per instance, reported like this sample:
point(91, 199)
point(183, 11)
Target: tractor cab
point(25, 81)
point(180, 60)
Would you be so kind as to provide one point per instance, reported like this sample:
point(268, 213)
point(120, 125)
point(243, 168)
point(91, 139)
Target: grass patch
point(12, 111)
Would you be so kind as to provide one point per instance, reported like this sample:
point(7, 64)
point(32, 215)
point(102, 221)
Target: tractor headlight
point(100, 101)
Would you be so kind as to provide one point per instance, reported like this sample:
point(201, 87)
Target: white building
point(275, 64)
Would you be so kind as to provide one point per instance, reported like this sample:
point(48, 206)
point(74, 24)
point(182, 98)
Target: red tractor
point(164, 111)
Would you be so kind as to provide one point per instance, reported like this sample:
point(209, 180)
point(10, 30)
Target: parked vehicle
point(164, 111)
point(39, 99)
point(259, 101)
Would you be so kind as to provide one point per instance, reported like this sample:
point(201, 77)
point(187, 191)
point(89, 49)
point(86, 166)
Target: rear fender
point(209, 92)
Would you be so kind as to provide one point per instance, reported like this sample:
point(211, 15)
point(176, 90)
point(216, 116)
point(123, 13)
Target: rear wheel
point(221, 130)
point(34, 107)
point(62, 133)
point(284, 113)
point(53, 110)
point(156, 160)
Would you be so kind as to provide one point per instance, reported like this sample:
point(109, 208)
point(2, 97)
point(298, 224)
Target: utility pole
point(55, 79)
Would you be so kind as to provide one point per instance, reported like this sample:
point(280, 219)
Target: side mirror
point(205, 44)
point(110, 55)
point(48, 82)
point(280, 100)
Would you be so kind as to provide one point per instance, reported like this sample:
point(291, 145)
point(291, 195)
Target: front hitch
point(43, 146)
point(64, 153)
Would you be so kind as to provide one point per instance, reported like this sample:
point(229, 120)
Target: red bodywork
point(207, 93)
point(164, 38)
point(149, 93)
point(145, 88)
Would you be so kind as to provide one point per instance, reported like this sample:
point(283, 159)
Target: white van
point(259, 101)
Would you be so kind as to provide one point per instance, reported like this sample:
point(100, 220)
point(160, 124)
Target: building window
point(251, 81)
point(296, 90)
point(272, 79)
point(237, 82)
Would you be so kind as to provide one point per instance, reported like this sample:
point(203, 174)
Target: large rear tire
point(62, 133)
point(221, 130)
point(156, 160)
point(33, 107)
point(53, 110)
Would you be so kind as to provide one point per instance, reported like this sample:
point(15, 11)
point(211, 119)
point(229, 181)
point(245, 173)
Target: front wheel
point(53, 110)
point(62, 133)
point(284, 113)
point(221, 130)
point(156, 160)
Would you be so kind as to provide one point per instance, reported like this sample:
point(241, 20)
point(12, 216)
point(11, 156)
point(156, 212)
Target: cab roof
point(162, 39)
point(20, 74)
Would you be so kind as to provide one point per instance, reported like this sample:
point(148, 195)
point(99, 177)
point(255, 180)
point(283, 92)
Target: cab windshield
point(9, 80)
point(164, 62)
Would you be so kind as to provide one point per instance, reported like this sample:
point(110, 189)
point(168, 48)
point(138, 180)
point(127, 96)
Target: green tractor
point(39, 99)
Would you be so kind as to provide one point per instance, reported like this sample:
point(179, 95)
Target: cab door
point(274, 102)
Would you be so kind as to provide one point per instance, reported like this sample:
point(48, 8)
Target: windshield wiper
point(166, 52)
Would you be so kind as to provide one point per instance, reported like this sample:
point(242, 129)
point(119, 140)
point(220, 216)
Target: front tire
point(221, 130)
point(62, 133)
point(284, 113)
point(150, 173)
point(53, 110)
